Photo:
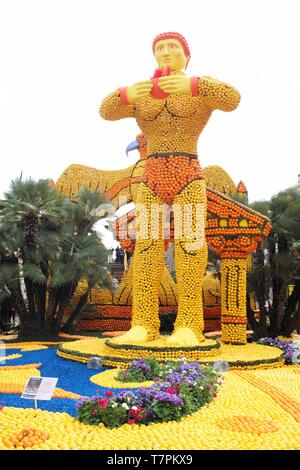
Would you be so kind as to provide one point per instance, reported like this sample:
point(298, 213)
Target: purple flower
point(141, 365)
point(189, 367)
point(158, 392)
point(174, 378)
point(81, 401)
point(125, 394)
point(190, 381)
point(168, 397)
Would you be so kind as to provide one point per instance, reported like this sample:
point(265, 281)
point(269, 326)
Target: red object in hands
point(157, 92)
point(157, 73)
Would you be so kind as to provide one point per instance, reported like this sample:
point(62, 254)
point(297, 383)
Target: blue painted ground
point(72, 376)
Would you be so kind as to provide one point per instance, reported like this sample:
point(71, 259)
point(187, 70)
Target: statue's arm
point(218, 95)
point(115, 106)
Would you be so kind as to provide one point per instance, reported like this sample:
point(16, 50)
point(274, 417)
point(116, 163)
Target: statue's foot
point(184, 337)
point(136, 334)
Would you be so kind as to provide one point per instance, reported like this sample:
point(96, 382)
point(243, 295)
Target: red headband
point(173, 35)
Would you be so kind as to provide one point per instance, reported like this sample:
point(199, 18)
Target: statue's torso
point(172, 124)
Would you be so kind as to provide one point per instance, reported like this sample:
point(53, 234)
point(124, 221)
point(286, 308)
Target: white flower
point(201, 387)
point(125, 406)
point(134, 407)
point(113, 405)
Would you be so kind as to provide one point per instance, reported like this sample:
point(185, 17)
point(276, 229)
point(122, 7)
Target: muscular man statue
point(171, 109)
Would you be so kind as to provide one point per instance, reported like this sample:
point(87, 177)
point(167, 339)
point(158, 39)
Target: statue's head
point(171, 50)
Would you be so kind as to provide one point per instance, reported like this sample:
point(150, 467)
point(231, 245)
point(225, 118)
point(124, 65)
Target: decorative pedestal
point(249, 356)
point(159, 350)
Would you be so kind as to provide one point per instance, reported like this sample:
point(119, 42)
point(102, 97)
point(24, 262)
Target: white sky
point(60, 58)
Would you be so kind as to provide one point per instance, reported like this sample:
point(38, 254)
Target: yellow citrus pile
point(24, 344)
point(247, 424)
point(34, 347)
point(243, 416)
point(108, 379)
point(10, 357)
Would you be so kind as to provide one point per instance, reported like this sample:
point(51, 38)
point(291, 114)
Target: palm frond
point(34, 273)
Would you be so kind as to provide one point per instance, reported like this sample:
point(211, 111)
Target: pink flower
point(171, 390)
point(103, 402)
point(136, 413)
point(109, 393)
point(131, 421)
point(208, 385)
point(1, 407)
point(214, 394)
point(94, 411)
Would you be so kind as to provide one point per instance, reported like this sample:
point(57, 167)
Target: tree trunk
point(30, 290)
point(32, 329)
point(64, 298)
point(40, 295)
point(293, 300)
point(292, 315)
point(77, 312)
point(261, 292)
point(56, 325)
point(20, 305)
point(52, 305)
point(251, 318)
point(293, 323)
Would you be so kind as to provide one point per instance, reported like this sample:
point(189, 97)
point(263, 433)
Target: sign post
point(39, 388)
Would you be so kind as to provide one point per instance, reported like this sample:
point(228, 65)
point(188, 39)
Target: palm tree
point(48, 245)
point(270, 279)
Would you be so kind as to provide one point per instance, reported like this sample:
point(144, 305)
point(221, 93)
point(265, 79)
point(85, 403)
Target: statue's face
point(170, 53)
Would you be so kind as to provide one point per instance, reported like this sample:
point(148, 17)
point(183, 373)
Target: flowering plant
point(140, 370)
point(111, 410)
point(179, 389)
point(291, 350)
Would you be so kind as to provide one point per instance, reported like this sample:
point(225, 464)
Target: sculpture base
point(159, 350)
point(250, 356)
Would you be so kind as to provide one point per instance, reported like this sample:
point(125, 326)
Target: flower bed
point(180, 388)
point(291, 349)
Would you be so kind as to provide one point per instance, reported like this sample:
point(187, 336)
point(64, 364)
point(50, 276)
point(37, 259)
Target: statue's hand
point(138, 90)
point(176, 84)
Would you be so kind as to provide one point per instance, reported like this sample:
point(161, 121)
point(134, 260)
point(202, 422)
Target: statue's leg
point(190, 263)
point(148, 264)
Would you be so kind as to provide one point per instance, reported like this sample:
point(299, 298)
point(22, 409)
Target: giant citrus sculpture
point(172, 109)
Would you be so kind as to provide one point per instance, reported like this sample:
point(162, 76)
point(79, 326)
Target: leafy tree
point(276, 266)
point(47, 244)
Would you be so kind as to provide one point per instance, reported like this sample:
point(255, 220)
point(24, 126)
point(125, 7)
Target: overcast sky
point(60, 58)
